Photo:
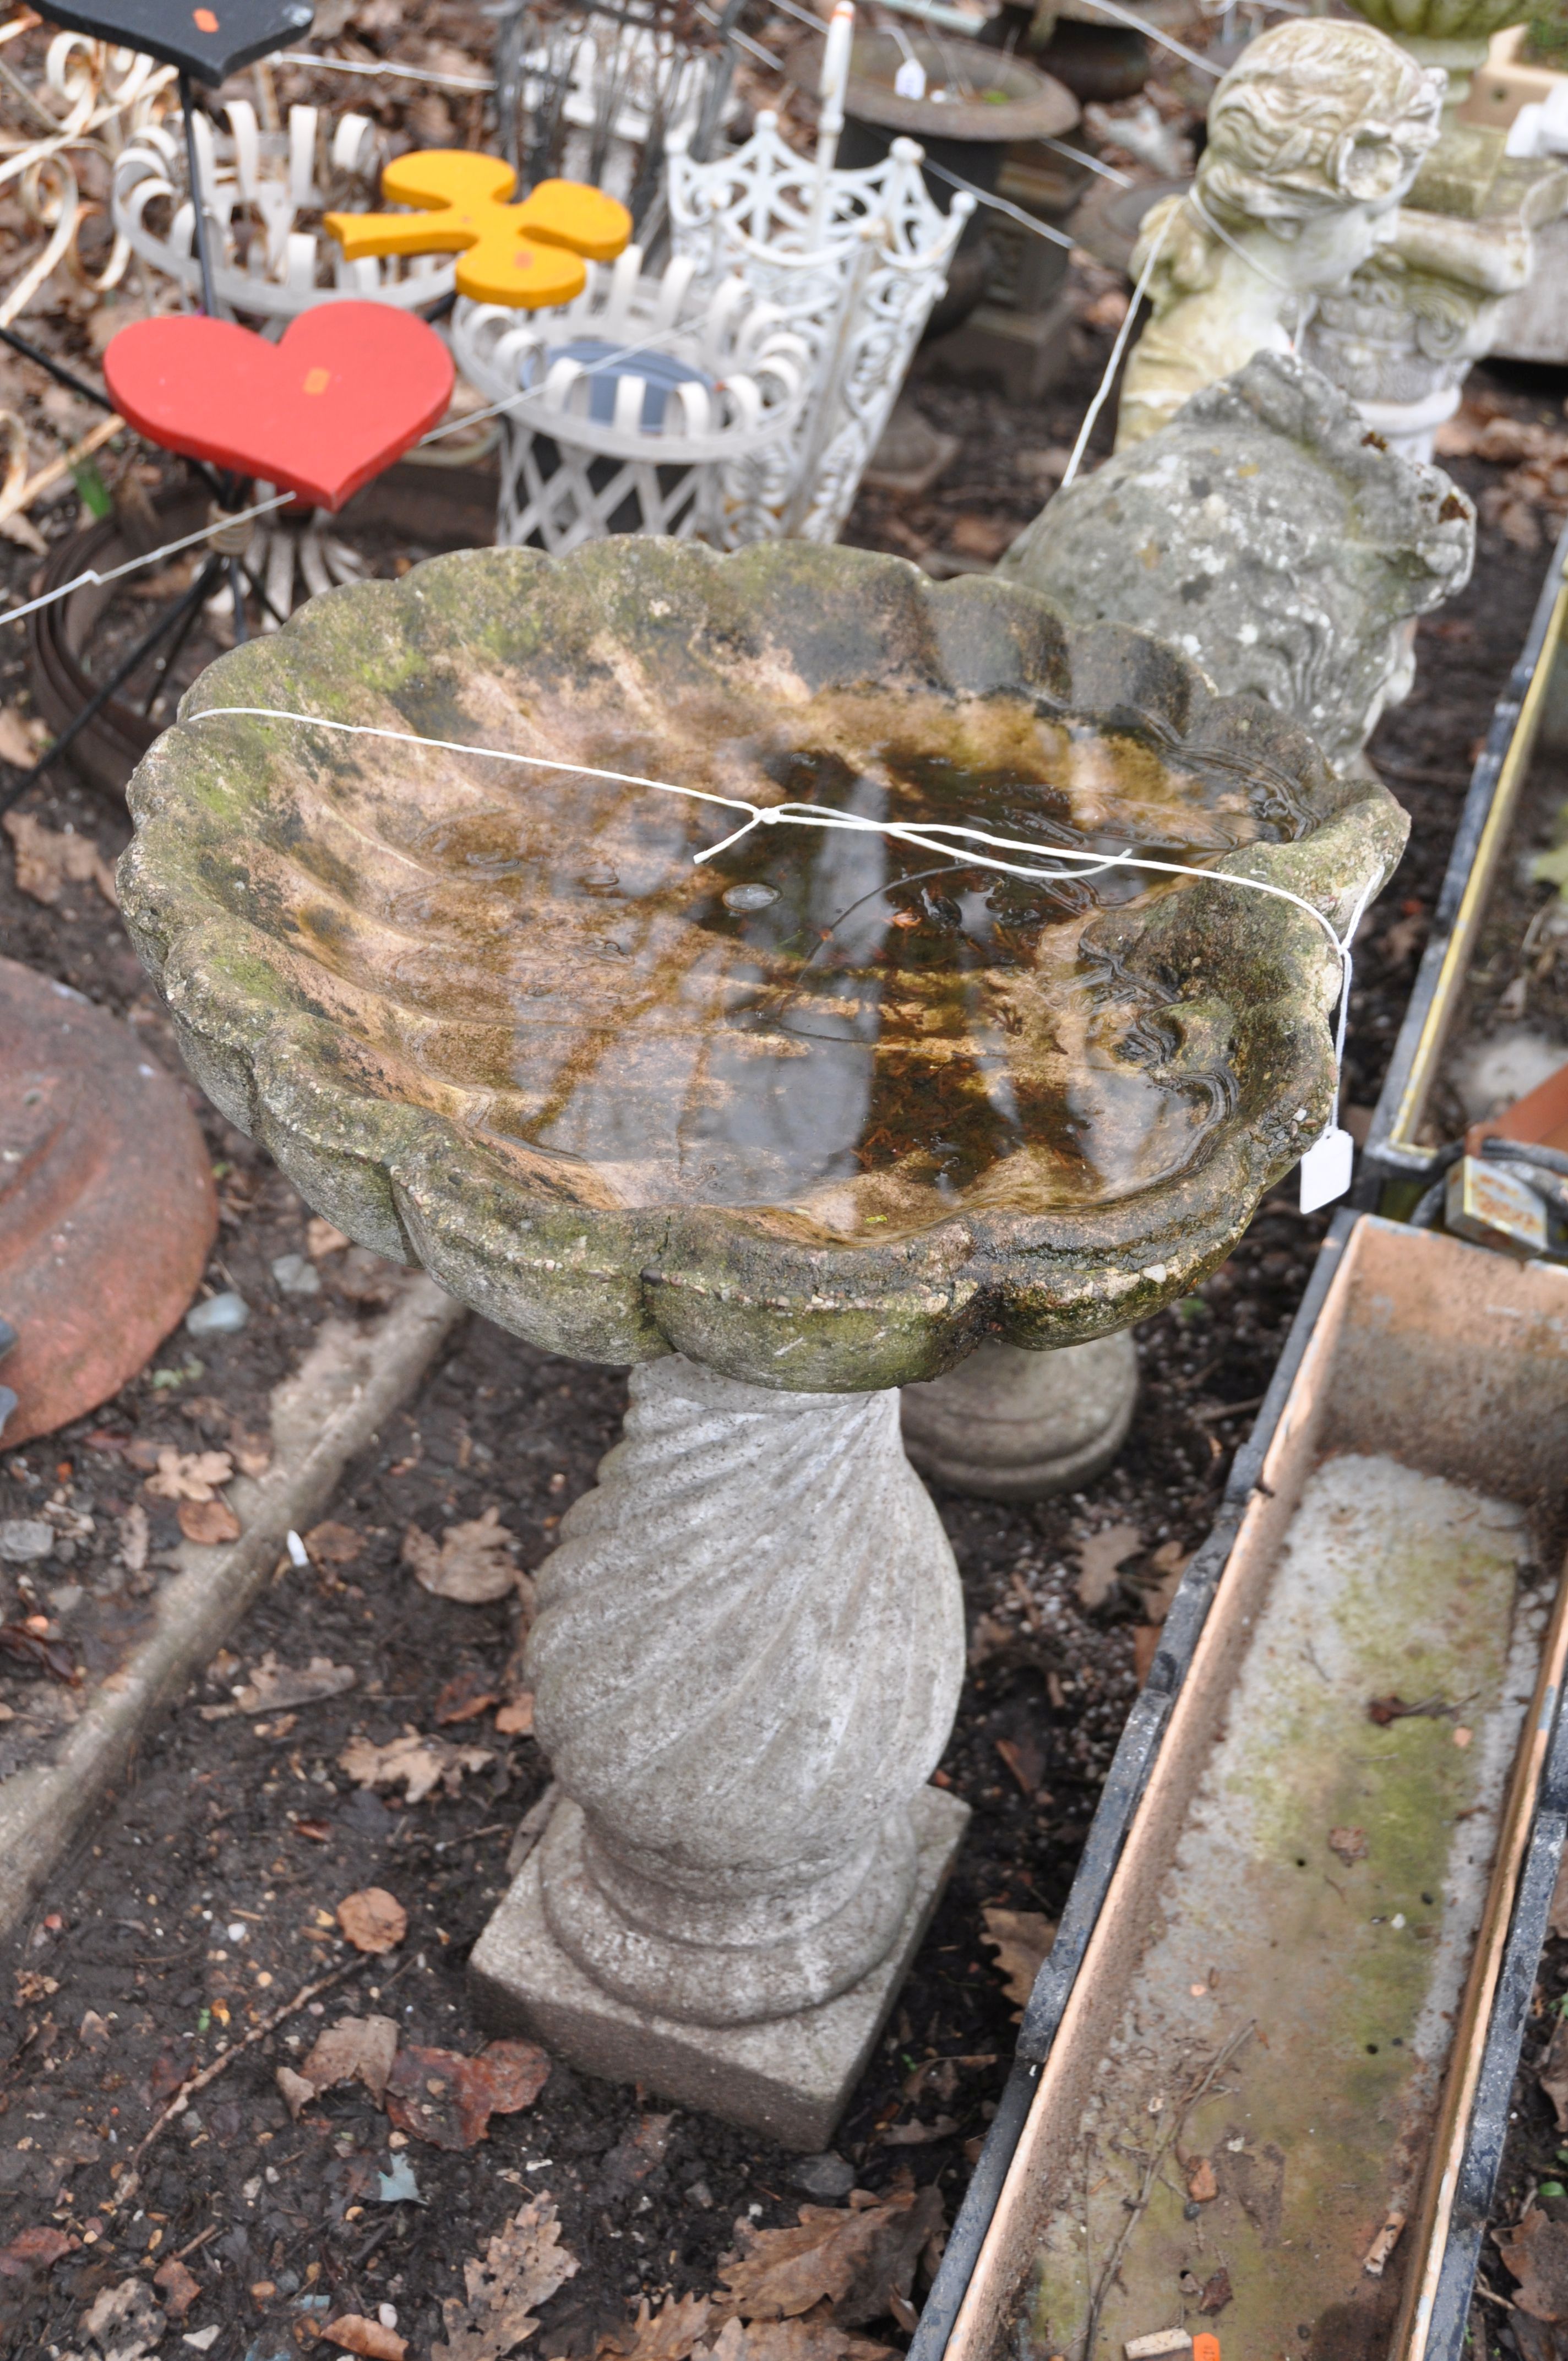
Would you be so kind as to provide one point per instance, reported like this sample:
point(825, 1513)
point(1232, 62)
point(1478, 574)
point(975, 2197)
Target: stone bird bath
point(786, 1131)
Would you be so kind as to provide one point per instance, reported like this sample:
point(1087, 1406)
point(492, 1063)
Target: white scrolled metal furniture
point(852, 261)
point(594, 445)
point(262, 190)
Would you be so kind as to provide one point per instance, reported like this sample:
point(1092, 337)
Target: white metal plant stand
point(852, 261)
point(265, 192)
point(647, 405)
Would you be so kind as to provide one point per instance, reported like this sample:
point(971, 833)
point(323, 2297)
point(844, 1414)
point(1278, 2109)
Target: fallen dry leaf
point(48, 860)
point(189, 1475)
point(352, 2333)
point(448, 2099)
point(209, 1522)
point(32, 2250)
point(334, 1544)
point(125, 2321)
point(858, 2261)
point(1349, 1844)
point(373, 1920)
point(1099, 1557)
point(135, 1538)
point(515, 1718)
point(180, 2287)
point(417, 1764)
point(1557, 1915)
point(1202, 2185)
point(813, 2338)
point(1554, 2074)
point(521, 2270)
point(678, 2333)
point(1025, 1757)
point(323, 1238)
point(272, 1687)
point(1536, 2253)
point(466, 1695)
point(296, 2090)
point(15, 747)
point(672, 2333)
point(1217, 2291)
point(354, 2050)
point(1021, 1939)
point(471, 1563)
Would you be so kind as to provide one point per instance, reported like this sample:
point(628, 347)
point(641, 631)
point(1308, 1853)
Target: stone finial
point(1314, 136)
point(1272, 539)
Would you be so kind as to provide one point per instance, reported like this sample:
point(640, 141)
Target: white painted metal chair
point(852, 261)
point(264, 194)
point(647, 405)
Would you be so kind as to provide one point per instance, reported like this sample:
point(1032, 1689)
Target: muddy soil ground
point(207, 1897)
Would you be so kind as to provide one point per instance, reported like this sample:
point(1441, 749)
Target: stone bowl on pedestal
point(786, 1129)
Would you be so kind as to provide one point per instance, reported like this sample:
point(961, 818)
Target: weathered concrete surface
point(1272, 540)
point(305, 902)
point(747, 1658)
point(1011, 1425)
point(1314, 136)
point(1326, 1889)
point(790, 2078)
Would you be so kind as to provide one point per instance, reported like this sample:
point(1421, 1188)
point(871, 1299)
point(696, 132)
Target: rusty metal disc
point(108, 1209)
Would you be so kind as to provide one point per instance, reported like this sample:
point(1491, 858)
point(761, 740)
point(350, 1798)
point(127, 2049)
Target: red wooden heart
point(344, 392)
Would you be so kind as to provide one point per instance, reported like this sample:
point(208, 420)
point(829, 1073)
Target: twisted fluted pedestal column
point(746, 1663)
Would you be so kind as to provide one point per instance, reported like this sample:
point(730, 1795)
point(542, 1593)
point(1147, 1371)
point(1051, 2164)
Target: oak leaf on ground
point(179, 2287)
point(272, 1687)
point(680, 2333)
point(189, 1475)
point(33, 2250)
point(816, 2337)
point(448, 2099)
point(472, 1563)
point(1535, 2252)
point(333, 1543)
point(1021, 1941)
point(352, 2333)
point(522, 2269)
point(1554, 2074)
point(48, 860)
point(209, 1523)
point(373, 1919)
point(354, 2050)
point(415, 1764)
point(1099, 1557)
point(858, 2260)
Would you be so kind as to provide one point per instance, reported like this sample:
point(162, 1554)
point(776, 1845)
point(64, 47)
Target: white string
point(170, 549)
point(999, 204)
point(928, 837)
point(1193, 58)
point(1117, 349)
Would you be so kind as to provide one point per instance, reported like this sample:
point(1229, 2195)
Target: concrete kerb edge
point(328, 1410)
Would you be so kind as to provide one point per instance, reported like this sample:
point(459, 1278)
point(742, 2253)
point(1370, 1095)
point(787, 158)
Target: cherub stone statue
point(1314, 136)
point(1272, 539)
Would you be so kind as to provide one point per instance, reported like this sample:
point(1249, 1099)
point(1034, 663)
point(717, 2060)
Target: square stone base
point(791, 2077)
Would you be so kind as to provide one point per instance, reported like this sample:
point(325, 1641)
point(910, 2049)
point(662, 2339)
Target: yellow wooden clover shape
point(527, 255)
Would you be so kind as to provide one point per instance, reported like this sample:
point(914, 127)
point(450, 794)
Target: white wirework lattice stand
point(853, 262)
point(264, 196)
point(672, 439)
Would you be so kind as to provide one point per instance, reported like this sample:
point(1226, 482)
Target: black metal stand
point(183, 611)
point(198, 197)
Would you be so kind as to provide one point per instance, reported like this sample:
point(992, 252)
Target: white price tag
point(1326, 1169)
